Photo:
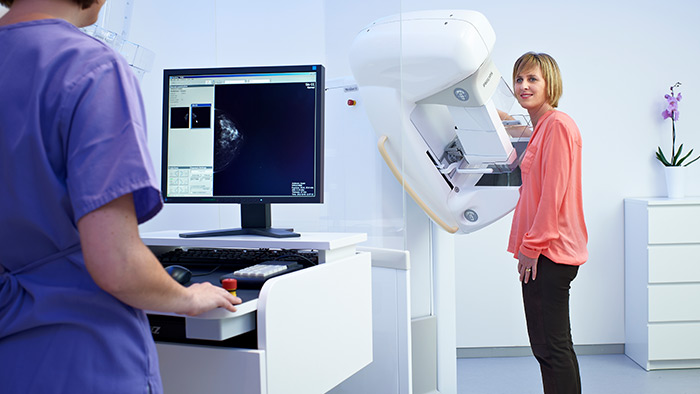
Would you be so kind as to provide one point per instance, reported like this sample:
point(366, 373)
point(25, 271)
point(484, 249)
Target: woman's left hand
point(527, 267)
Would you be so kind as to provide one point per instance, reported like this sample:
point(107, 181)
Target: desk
point(314, 326)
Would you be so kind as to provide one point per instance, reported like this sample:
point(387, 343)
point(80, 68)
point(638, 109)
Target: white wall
point(618, 61)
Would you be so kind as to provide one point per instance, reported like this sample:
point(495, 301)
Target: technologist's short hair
point(550, 72)
point(82, 3)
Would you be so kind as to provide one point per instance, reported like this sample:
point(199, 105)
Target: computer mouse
point(181, 274)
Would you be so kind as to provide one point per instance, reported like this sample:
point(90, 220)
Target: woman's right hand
point(527, 267)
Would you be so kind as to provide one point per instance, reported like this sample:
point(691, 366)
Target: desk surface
point(661, 201)
point(318, 241)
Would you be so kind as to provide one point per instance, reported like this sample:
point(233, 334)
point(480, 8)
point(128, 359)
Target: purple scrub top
point(72, 138)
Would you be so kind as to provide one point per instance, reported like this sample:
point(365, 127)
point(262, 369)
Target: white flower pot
point(675, 181)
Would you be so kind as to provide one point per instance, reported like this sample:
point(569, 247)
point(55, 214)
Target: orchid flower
point(671, 110)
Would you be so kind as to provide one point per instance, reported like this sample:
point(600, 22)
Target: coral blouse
point(549, 218)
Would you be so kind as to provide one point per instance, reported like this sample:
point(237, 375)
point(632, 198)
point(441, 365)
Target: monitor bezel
point(319, 71)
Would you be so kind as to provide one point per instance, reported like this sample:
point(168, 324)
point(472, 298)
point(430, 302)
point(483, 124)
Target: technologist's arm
point(123, 266)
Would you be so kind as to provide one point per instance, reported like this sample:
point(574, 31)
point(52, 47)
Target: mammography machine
point(435, 99)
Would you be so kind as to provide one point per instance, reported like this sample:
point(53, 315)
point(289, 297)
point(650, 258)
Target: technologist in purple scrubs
point(76, 179)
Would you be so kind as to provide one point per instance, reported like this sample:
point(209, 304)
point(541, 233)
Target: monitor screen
point(245, 135)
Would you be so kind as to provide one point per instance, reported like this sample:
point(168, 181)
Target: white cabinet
point(314, 326)
point(662, 282)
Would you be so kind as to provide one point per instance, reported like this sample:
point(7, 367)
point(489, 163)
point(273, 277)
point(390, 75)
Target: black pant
point(546, 301)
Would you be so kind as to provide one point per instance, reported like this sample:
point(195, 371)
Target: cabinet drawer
point(187, 369)
point(674, 224)
point(674, 263)
point(674, 341)
point(669, 303)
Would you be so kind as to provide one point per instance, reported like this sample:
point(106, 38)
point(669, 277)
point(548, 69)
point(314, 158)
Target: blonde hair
point(550, 72)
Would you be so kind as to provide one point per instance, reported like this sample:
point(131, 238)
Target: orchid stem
point(673, 145)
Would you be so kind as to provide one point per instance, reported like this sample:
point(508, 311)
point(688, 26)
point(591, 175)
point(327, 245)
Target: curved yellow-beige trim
point(409, 189)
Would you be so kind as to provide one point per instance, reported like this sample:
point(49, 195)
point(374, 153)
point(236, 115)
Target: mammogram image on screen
point(264, 139)
point(227, 140)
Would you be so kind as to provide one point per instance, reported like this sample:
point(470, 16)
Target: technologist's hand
point(205, 296)
point(527, 267)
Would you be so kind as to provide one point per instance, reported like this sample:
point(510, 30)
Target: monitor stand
point(255, 220)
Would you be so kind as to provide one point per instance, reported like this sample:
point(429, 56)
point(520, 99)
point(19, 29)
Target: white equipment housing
point(433, 96)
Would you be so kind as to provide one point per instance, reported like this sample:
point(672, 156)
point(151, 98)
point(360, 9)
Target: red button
point(229, 284)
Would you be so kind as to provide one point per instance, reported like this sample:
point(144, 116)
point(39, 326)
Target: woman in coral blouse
point(548, 236)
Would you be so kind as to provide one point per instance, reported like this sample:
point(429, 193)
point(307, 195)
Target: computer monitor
point(245, 135)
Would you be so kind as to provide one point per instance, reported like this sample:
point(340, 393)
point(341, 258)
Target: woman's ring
point(528, 269)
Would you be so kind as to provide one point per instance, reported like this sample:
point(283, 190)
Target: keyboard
point(250, 267)
point(254, 276)
point(235, 258)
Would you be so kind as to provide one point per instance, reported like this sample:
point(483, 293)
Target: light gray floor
point(600, 374)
